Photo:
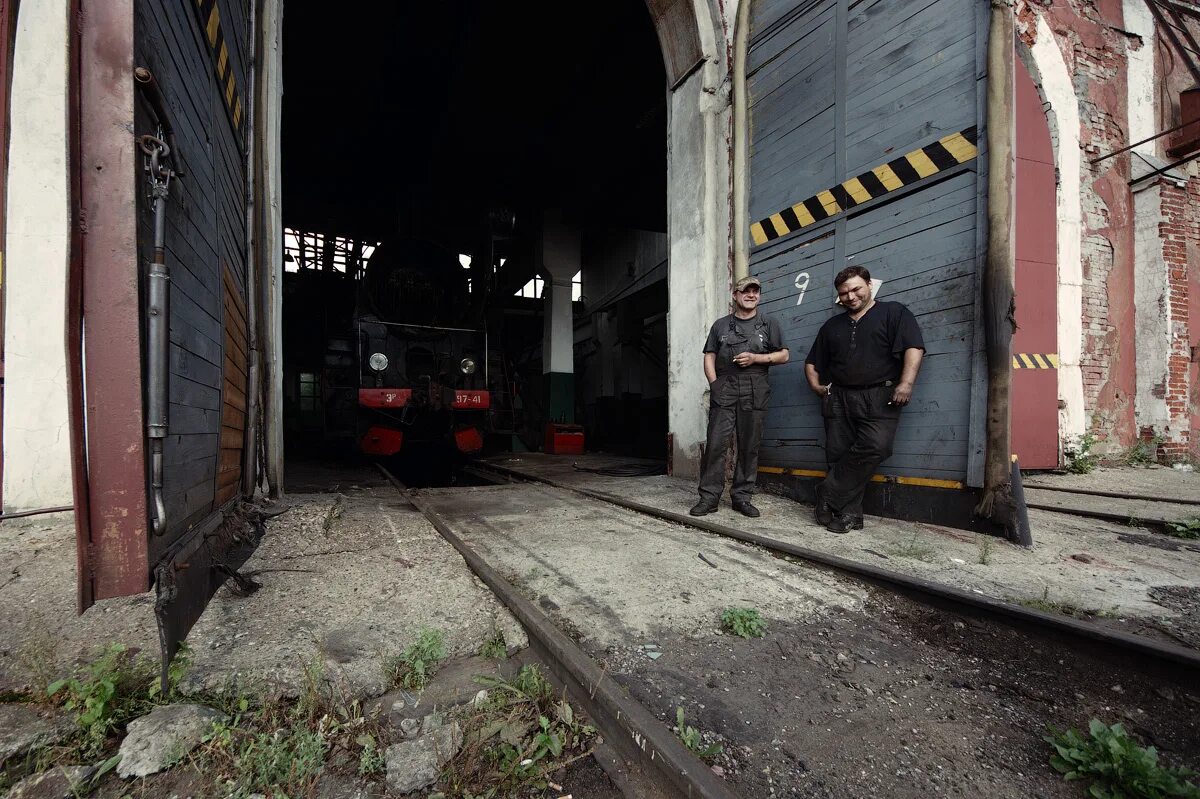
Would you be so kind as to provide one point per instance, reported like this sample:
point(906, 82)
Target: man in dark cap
point(862, 365)
point(740, 349)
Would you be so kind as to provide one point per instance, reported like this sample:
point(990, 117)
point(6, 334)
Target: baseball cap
point(746, 283)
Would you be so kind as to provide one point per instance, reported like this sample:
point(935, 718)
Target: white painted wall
point(37, 460)
point(1140, 98)
point(1050, 72)
point(698, 219)
point(1152, 325)
point(1151, 285)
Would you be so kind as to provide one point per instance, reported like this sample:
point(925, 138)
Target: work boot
point(824, 513)
point(703, 508)
point(746, 509)
point(844, 523)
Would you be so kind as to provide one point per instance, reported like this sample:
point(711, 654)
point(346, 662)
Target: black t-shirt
point(760, 333)
point(869, 351)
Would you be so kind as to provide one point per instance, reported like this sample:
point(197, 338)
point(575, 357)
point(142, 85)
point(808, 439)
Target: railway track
point(648, 759)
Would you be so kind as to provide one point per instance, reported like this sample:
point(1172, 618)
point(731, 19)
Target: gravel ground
point(898, 701)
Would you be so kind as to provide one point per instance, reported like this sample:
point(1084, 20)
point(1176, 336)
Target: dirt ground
point(897, 701)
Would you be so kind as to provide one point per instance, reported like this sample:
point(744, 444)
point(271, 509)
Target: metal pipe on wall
point(158, 293)
point(999, 302)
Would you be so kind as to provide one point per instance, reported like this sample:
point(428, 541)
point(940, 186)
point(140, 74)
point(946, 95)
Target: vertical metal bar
point(112, 537)
point(250, 434)
point(8, 17)
point(158, 293)
point(840, 68)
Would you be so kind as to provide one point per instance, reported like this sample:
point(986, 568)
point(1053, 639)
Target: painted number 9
point(801, 285)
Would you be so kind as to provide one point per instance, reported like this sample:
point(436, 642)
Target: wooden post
point(999, 302)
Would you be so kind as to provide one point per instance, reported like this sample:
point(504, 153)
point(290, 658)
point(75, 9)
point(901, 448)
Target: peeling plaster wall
point(37, 459)
point(1153, 323)
point(1049, 70)
point(1111, 74)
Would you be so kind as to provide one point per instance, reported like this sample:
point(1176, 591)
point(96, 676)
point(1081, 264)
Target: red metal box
point(564, 439)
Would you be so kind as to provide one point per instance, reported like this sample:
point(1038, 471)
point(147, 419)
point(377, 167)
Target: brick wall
point(1180, 238)
point(1095, 48)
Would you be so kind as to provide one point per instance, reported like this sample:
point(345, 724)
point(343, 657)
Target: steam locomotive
point(423, 372)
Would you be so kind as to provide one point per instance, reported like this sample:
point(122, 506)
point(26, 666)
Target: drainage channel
point(642, 756)
point(1114, 645)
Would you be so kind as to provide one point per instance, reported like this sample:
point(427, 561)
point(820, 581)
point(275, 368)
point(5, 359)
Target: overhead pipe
point(999, 295)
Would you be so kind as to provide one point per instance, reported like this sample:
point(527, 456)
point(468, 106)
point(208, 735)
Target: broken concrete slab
point(418, 763)
point(532, 533)
point(42, 636)
point(453, 684)
point(1117, 576)
point(60, 782)
point(159, 740)
point(24, 728)
point(348, 581)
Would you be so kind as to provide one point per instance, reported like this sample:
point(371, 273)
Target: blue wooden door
point(865, 122)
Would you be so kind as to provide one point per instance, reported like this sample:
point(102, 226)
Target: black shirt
point(760, 333)
point(866, 352)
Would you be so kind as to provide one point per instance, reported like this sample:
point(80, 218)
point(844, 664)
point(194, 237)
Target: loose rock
point(159, 740)
point(58, 783)
point(23, 729)
point(417, 763)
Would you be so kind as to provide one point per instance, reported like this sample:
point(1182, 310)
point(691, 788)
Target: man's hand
point(902, 394)
point(744, 359)
point(821, 391)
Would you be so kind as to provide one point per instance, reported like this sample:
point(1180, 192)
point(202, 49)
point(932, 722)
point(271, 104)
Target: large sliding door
point(865, 148)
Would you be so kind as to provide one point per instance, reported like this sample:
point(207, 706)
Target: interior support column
point(560, 258)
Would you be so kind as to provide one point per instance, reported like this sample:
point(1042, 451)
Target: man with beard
point(862, 365)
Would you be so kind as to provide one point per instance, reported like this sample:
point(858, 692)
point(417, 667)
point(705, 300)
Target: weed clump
point(745, 622)
point(693, 739)
point(1185, 528)
point(495, 647)
point(515, 738)
point(1116, 765)
point(1079, 455)
point(116, 687)
point(415, 667)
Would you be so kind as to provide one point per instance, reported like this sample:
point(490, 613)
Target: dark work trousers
point(860, 426)
point(738, 406)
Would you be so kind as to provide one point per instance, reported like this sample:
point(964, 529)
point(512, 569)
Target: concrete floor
point(349, 578)
point(615, 577)
point(1079, 562)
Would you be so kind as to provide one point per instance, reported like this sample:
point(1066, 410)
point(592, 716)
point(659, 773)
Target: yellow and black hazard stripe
point(209, 12)
point(946, 152)
point(926, 482)
point(1035, 360)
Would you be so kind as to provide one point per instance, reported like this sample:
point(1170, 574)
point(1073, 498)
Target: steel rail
point(1107, 516)
point(660, 759)
point(1081, 633)
point(1094, 492)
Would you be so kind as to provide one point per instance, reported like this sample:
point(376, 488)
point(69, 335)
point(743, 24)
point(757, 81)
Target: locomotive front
point(422, 364)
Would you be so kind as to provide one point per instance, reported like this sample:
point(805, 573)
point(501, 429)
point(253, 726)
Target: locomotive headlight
point(467, 366)
point(378, 361)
